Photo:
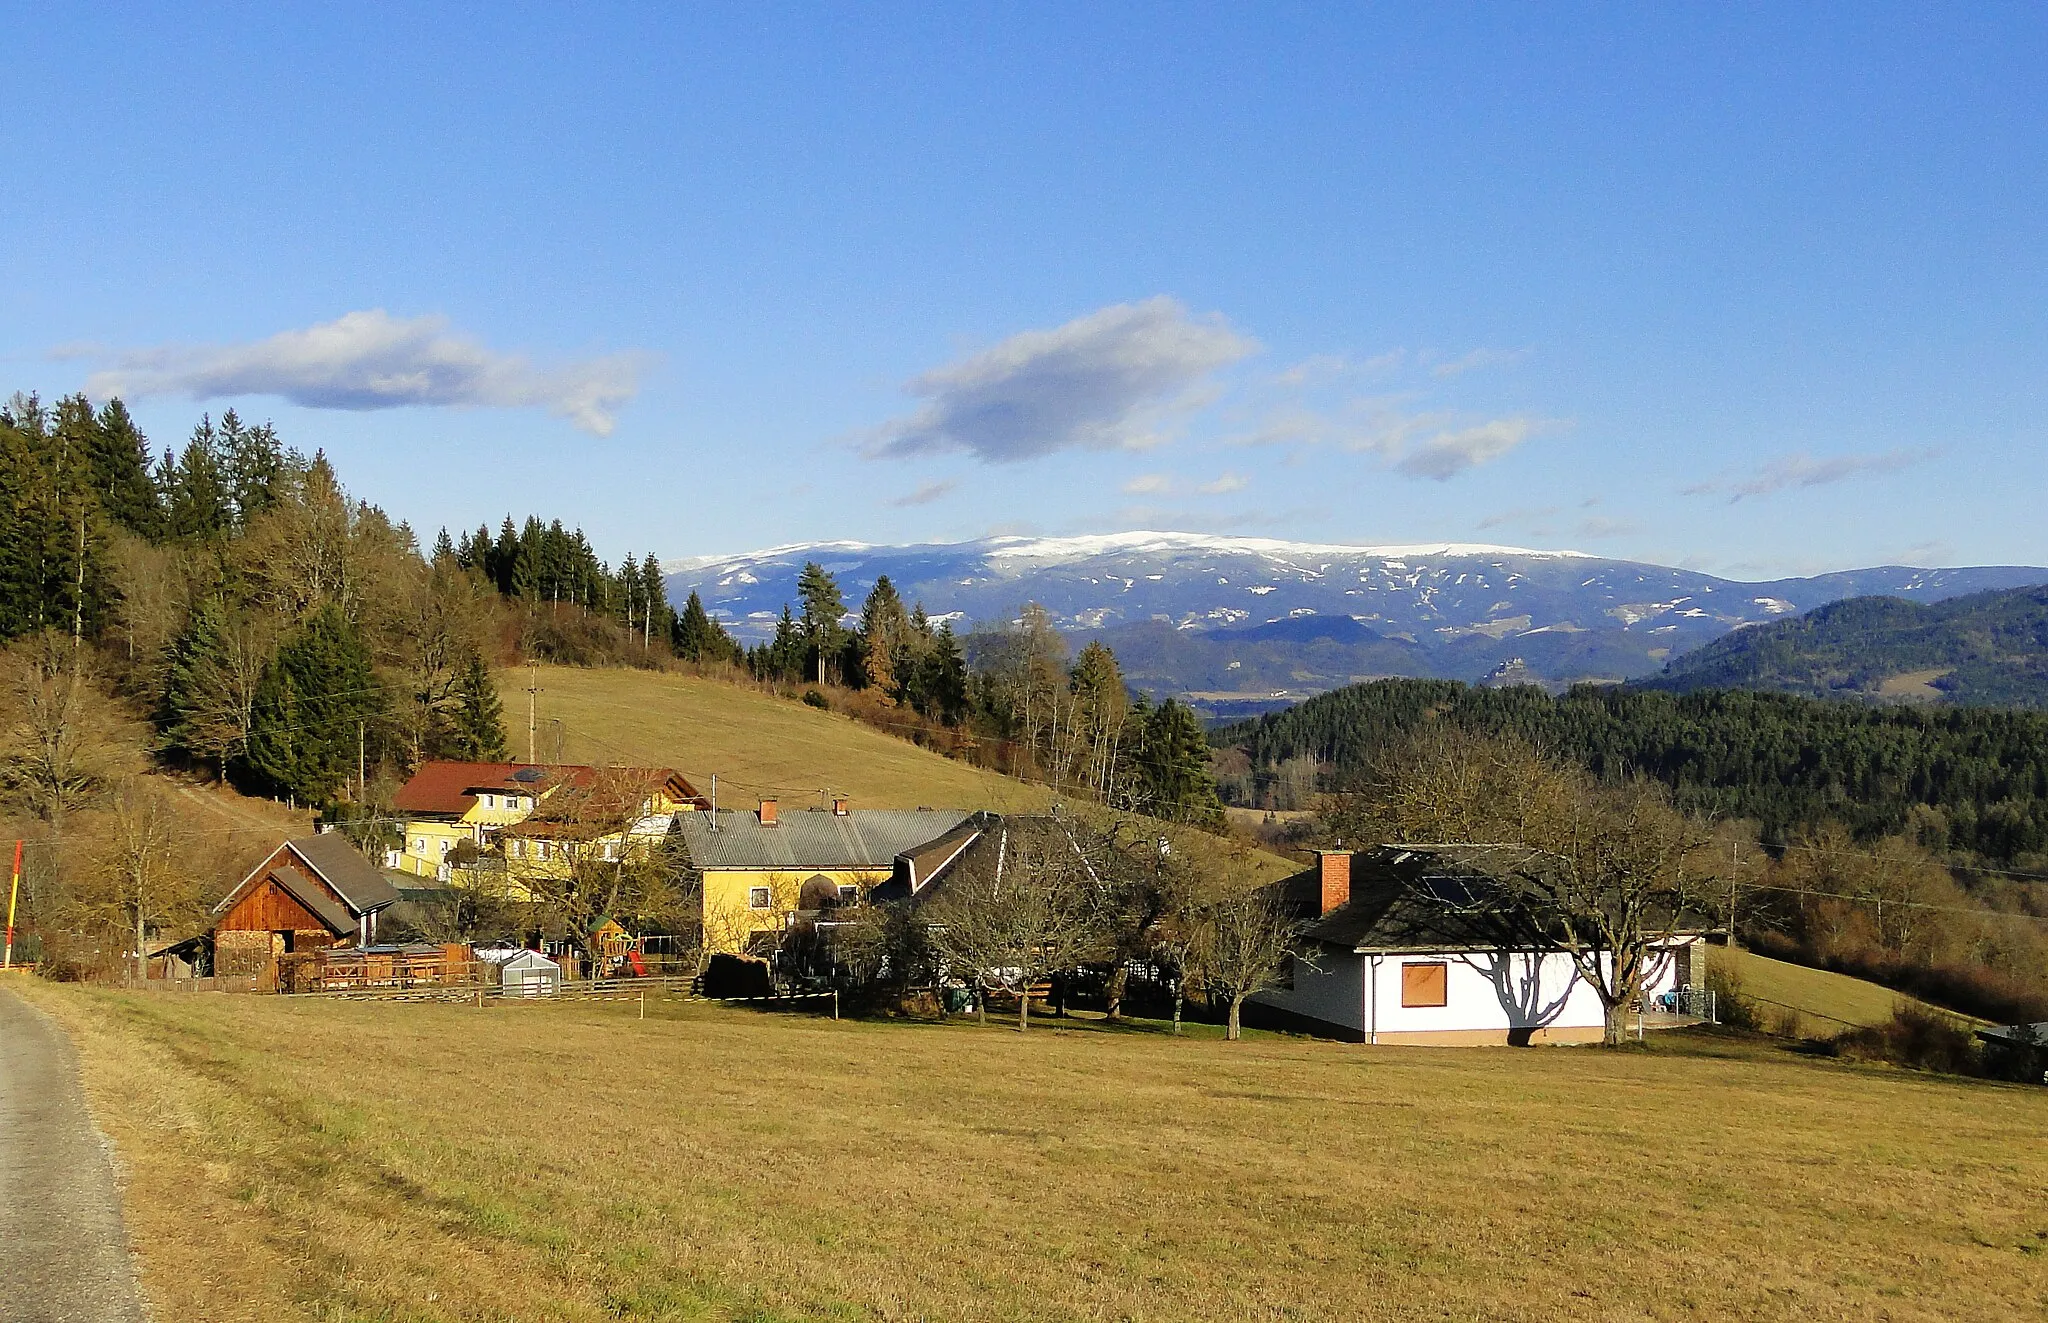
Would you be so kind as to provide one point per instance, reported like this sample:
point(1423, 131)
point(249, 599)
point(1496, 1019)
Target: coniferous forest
point(1973, 780)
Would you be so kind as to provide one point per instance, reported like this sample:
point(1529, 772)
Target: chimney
point(767, 813)
point(839, 803)
point(1333, 872)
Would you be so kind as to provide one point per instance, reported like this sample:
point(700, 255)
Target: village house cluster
point(1385, 950)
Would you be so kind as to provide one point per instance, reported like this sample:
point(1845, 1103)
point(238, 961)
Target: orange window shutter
point(1424, 985)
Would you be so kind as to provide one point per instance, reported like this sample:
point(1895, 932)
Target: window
point(757, 898)
point(490, 801)
point(849, 895)
point(1425, 984)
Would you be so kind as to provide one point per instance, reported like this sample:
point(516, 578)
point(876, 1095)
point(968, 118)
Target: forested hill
point(1969, 779)
point(1987, 649)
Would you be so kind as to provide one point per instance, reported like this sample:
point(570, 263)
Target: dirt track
point(63, 1254)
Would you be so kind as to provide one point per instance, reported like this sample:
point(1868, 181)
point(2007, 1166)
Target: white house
point(1394, 961)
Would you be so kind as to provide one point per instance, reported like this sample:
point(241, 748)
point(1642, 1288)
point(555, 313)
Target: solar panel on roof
point(1452, 890)
point(528, 774)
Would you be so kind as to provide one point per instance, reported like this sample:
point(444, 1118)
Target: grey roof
point(341, 866)
point(1417, 899)
point(308, 893)
point(812, 838)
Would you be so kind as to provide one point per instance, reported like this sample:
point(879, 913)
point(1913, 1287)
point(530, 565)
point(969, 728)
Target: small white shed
point(530, 974)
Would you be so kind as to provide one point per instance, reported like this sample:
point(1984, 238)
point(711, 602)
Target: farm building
point(761, 869)
point(1395, 960)
point(308, 893)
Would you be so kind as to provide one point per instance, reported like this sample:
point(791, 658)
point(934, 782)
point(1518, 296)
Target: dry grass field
point(348, 1162)
point(1825, 1002)
point(757, 743)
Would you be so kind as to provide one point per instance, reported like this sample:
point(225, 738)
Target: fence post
point(643, 1003)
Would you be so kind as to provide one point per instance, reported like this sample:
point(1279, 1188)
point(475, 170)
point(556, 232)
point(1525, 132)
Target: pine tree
point(255, 467)
point(884, 632)
point(1175, 765)
point(121, 464)
point(315, 704)
point(500, 565)
point(479, 716)
point(824, 608)
point(444, 548)
point(197, 506)
point(199, 714)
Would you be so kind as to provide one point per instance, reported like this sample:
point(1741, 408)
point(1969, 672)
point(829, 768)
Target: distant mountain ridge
point(1263, 619)
point(1985, 649)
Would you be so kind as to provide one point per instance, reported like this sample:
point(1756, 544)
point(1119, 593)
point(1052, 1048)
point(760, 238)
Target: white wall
point(1484, 991)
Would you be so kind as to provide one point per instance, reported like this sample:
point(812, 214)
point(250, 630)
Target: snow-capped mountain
point(1447, 608)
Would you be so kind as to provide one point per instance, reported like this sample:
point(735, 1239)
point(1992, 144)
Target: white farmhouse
point(1394, 961)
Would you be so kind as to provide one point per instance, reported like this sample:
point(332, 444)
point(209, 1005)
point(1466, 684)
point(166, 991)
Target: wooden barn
point(306, 895)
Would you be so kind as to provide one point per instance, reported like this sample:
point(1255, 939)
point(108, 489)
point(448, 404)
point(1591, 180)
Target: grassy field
point(347, 1162)
point(1827, 1002)
point(758, 744)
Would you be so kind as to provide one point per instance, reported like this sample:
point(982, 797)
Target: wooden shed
point(306, 895)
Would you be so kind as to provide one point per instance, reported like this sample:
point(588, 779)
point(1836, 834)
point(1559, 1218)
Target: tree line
point(1010, 685)
point(1969, 781)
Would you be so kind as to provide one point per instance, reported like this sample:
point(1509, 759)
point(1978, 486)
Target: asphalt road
point(63, 1254)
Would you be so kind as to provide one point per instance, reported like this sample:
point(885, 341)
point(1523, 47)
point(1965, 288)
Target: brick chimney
point(840, 805)
point(767, 813)
point(1333, 872)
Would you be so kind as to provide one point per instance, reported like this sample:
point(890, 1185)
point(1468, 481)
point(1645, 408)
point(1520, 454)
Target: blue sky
point(1754, 289)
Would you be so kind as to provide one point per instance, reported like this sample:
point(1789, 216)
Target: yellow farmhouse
point(759, 869)
point(558, 810)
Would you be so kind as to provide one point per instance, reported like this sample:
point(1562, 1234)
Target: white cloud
point(1149, 484)
point(1224, 484)
point(372, 360)
point(1479, 358)
point(1322, 369)
point(1450, 453)
point(1111, 380)
point(1608, 526)
point(926, 493)
point(1518, 516)
point(1802, 470)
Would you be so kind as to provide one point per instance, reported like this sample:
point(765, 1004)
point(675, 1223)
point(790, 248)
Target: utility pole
point(362, 761)
point(532, 725)
point(1734, 880)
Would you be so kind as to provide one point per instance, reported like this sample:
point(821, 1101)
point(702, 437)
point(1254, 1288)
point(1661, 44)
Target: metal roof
point(340, 865)
point(307, 892)
point(812, 838)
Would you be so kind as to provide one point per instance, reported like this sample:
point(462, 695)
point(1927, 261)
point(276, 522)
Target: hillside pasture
point(1824, 1003)
point(758, 744)
point(348, 1161)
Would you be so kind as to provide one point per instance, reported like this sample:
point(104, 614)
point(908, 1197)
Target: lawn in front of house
point(305, 1158)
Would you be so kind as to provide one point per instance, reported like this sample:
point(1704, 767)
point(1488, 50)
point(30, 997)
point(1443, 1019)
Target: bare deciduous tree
point(58, 744)
point(1243, 944)
point(1019, 913)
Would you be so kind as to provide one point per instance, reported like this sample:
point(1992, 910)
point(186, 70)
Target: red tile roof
point(449, 787)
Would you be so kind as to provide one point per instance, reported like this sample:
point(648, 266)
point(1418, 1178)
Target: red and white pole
point(13, 894)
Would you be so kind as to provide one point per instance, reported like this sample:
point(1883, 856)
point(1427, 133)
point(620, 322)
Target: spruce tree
point(699, 638)
point(1175, 767)
point(316, 702)
point(121, 463)
point(197, 504)
point(479, 716)
point(196, 711)
point(823, 610)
